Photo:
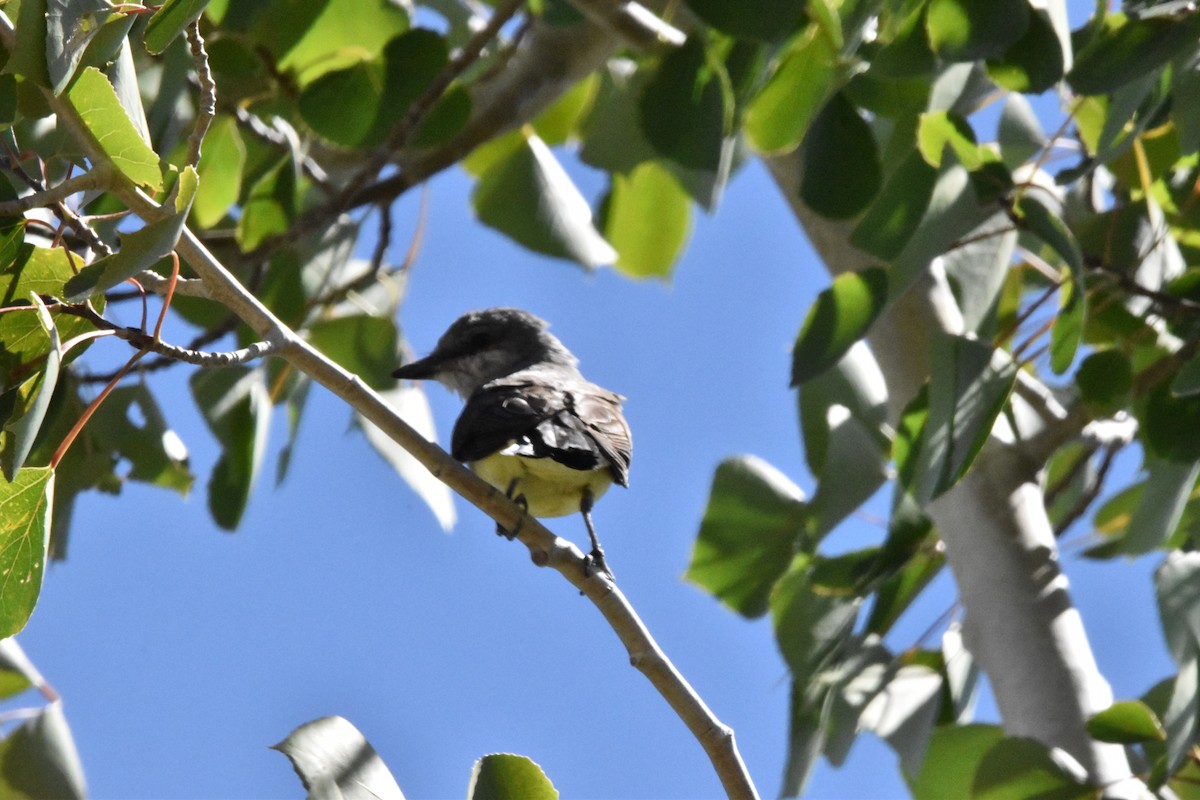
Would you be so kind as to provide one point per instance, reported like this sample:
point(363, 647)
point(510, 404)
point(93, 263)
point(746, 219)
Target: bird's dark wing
point(580, 426)
point(599, 411)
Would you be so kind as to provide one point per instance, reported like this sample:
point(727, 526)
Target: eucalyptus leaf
point(25, 506)
point(334, 760)
point(751, 527)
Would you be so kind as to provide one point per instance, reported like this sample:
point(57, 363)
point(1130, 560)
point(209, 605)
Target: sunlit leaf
point(1016, 767)
point(647, 218)
point(969, 387)
point(334, 760)
point(897, 211)
point(780, 114)
point(25, 505)
point(220, 172)
point(170, 20)
point(38, 758)
point(1128, 722)
point(32, 401)
point(411, 404)
point(111, 130)
point(841, 316)
point(140, 249)
point(364, 344)
point(528, 196)
point(237, 408)
point(70, 26)
point(810, 625)
point(966, 30)
point(504, 776)
point(754, 518)
point(950, 761)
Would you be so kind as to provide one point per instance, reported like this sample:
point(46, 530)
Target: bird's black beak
point(417, 370)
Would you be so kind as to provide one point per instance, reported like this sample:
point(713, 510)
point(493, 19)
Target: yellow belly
point(551, 489)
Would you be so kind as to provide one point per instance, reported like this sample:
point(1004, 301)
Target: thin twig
point(144, 341)
point(87, 181)
point(1087, 498)
point(206, 104)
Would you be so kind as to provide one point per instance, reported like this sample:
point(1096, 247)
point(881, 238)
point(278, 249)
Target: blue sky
point(182, 652)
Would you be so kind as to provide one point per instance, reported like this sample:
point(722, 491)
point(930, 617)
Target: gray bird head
point(482, 346)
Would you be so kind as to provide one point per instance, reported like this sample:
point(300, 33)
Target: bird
point(532, 425)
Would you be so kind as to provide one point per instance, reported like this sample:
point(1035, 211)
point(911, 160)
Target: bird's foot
point(521, 503)
point(594, 563)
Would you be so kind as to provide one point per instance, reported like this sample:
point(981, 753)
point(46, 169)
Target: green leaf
point(755, 516)
point(70, 26)
point(951, 759)
point(842, 173)
point(967, 30)
point(25, 504)
point(32, 401)
point(1034, 62)
point(1177, 590)
point(38, 758)
point(504, 776)
point(1067, 331)
point(1163, 499)
point(841, 316)
point(155, 453)
point(334, 760)
point(364, 344)
point(1105, 382)
point(855, 466)
point(220, 172)
point(685, 114)
point(810, 624)
point(978, 269)
point(28, 57)
point(892, 219)
point(527, 196)
point(141, 249)
point(766, 20)
point(270, 207)
point(647, 218)
point(969, 385)
point(1127, 48)
point(938, 130)
point(779, 116)
point(907, 54)
point(1186, 382)
point(1017, 767)
point(111, 130)
point(411, 403)
point(1020, 133)
point(169, 21)
point(358, 106)
point(1128, 722)
point(311, 39)
point(856, 385)
point(558, 122)
point(237, 408)
point(1035, 216)
point(17, 672)
point(1183, 712)
point(1170, 425)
